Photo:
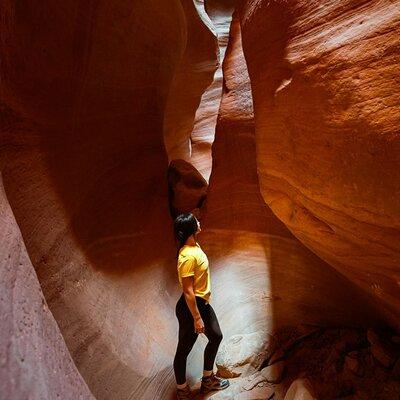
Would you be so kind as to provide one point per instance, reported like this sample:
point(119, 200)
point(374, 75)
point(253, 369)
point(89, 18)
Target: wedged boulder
point(187, 188)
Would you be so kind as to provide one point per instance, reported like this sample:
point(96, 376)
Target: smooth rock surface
point(324, 79)
point(241, 234)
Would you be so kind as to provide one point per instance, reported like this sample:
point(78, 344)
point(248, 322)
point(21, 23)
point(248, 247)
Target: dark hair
point(185, 225)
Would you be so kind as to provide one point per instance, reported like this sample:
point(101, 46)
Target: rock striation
point(324, 81)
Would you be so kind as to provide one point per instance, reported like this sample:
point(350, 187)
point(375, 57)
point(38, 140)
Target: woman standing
point(193, 310)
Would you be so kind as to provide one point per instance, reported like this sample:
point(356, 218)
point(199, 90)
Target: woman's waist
point(199, 299)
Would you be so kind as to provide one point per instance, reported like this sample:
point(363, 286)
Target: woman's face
point(198, 226)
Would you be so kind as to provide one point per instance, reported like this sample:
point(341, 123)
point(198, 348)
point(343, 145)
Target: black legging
point(188, 336)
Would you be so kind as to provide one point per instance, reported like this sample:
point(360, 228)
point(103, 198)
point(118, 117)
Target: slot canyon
point(276, 122)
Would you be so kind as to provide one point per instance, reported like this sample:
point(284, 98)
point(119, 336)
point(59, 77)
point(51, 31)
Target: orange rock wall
point(192, 76)
point(203, 133)
point(234, 201)
point(254, 257)
point(324, 79)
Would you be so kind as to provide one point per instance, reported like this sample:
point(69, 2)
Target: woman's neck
point(191, 241)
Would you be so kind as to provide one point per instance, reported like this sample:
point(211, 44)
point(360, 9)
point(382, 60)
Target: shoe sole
point(207, 390)
point(187, 397)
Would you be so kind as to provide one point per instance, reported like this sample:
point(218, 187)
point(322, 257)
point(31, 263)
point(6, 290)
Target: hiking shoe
point(213, 382)
point(184, 394)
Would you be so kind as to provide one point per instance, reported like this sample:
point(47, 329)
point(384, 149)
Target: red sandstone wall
point(35, 362)
point(84, 87)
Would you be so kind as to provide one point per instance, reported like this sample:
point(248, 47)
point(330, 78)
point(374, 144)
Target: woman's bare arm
point(188, 291)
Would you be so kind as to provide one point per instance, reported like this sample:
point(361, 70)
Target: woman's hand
point(188, 291)
point(199, 325)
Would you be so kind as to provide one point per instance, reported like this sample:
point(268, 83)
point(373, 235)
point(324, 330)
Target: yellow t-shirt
point(192, 261)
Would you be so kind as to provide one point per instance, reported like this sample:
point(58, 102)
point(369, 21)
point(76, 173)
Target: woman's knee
point(215, 337)
point(186, 344)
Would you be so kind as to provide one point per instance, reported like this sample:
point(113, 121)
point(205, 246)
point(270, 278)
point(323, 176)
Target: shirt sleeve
point(186, 266)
